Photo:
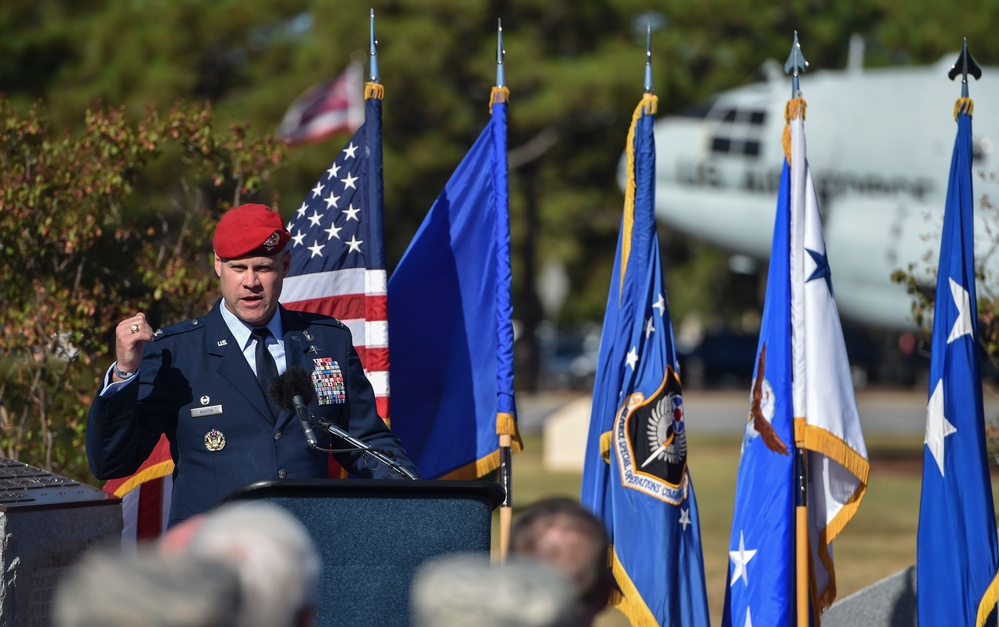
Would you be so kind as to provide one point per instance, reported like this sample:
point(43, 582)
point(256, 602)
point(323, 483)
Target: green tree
point(78, 253)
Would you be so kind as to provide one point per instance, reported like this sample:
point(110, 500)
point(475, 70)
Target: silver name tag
point(212, 410)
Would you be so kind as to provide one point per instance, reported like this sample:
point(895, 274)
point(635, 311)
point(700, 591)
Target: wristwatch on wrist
point(121, 374)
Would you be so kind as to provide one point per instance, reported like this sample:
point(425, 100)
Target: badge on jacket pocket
point(327, 378)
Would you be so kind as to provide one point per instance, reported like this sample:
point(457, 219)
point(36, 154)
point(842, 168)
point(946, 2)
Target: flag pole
point(373, 51)
point(795, 63)
point(373, 87)
point(505, 438)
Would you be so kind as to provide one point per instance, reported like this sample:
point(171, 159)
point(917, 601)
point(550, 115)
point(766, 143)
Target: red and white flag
point(336, 106)
point(338, 253)
point(145, 496)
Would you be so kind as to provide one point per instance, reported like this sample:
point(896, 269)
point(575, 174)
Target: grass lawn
point(879, 541)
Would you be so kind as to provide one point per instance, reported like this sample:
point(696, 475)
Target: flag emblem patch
point(651, 442)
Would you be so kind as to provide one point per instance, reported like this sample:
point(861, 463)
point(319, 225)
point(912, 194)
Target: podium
point(373, 535)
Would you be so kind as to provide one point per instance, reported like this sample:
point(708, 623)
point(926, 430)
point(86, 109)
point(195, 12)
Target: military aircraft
point(879, 145)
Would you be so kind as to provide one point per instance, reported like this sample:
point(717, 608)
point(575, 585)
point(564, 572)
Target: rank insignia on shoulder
point(327, 379)
point(214, 440)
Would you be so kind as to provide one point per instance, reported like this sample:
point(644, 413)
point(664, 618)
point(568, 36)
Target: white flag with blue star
point(826, 422)
point(802, 398)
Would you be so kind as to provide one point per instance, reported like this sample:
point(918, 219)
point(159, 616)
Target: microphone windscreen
point(281, 391)
point(300, 384)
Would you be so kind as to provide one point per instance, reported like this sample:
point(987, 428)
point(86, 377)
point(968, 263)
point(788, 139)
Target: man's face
point(251, 286)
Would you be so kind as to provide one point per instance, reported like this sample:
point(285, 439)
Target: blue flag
point(450, 320)
point(956, 557)
point(635, 475)
point(760, 585)
point(802, 398)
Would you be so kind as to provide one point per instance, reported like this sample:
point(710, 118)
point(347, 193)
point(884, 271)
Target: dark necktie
point(266, 368)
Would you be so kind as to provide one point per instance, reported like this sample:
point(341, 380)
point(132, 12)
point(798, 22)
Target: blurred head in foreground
point(147, 589)
point(567, 536)
point(465, 590)
point(277, 562)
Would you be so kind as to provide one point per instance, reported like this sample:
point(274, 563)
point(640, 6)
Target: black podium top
point(487, 491)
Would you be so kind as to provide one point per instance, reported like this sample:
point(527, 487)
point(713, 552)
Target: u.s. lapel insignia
point(214, 440)
point(223, 342)
point(327, 378)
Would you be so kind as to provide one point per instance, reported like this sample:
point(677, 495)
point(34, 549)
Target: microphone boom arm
point(364, 448)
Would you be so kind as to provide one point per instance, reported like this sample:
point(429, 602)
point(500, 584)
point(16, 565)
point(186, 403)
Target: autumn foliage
point(95, 226)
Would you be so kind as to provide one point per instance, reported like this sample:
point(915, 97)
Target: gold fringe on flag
point(648, 105)
point(498, 94)
point(825, 443)
point(795, 107)
point(374, 90)
point(505, 424)
point(156, 471)
point(605, 445)
point(988, 602)
point(626, 597)
point(964, 105)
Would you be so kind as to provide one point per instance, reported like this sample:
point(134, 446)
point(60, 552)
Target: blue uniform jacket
point(195, 385)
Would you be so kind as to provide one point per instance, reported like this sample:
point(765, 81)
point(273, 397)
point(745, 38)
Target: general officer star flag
point(635, 475)
point(957, 561)
point(450, 319)
point(802, 398)
point(337, 249)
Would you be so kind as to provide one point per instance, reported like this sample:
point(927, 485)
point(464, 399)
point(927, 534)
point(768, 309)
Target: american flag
point(337, 253)
point(325, 110)
point(145, 496)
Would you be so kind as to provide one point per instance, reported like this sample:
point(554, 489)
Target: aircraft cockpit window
point(721, 144)
point(738, 132)
point(727, 146)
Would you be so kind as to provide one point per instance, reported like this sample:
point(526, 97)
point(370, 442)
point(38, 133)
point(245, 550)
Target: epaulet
point(318, 319)
point(181, 327)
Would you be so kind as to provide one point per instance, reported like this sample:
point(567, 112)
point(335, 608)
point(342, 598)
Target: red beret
point(249, 230)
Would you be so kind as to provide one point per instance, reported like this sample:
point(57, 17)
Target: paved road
point(709, 411)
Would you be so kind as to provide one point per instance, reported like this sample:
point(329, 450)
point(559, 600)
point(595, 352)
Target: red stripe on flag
point(150, 516)
point(374, 359)
point(158, 464)
point(345, 306)
point(376, 307)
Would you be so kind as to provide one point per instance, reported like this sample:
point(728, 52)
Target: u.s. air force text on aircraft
point(830, 185)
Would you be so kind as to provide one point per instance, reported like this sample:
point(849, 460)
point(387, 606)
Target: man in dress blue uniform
point(199, 383)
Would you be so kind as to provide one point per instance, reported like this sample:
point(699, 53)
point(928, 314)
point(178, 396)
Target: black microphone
point(293, 390)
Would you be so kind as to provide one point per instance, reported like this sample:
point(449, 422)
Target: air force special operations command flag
point(635, 476)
